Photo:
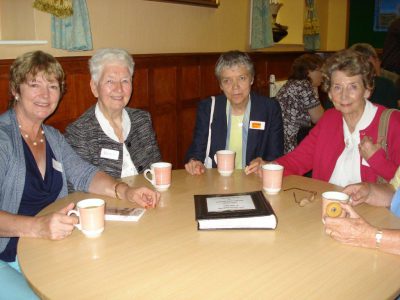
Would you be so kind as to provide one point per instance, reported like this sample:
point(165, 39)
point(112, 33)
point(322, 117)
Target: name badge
point(109, 153)
point(257, 125)
point(57, 165)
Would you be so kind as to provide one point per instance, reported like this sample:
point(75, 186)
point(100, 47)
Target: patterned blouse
point(296, 97)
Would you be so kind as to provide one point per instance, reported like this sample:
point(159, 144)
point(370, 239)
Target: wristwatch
point(378, 238)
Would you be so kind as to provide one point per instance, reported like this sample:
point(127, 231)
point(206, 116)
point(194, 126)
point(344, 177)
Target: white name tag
point(109, 153)
point(57, 165)
point(257, 125)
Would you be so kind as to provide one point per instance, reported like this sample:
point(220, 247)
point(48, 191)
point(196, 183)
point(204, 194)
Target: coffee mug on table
point(331, 204)
point(225, 160)
point(91, 216)
point(160, 175)
point(272, 178)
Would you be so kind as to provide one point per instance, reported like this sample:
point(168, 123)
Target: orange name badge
point(257, 125)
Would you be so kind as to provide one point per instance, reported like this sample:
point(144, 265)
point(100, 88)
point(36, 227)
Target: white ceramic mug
point(91, 216)
point(160, 175)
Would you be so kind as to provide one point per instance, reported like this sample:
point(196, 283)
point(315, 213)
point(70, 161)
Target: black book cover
point(260, 216)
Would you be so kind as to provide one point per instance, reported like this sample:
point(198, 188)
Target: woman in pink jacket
point(343, 147)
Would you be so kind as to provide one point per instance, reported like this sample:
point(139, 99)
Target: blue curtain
point(72, 33)
point(261, 25)
point(311, 27)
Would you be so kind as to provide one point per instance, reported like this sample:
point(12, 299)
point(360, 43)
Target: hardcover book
point(234, 211)
point(124, 213)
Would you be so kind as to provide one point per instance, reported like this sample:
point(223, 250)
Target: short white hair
point(106, 56)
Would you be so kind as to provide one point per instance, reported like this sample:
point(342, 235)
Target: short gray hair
point(106, 56)
point(231, 59)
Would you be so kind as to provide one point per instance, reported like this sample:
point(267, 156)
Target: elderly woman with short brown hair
point(35, 164)
point(343, 147)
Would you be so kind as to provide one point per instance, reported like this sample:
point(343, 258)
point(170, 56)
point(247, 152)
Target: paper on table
point(230, 203)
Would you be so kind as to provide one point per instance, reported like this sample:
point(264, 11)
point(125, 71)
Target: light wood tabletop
point(164, 256)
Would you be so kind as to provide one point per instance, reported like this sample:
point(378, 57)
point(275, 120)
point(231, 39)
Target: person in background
point(117, 139)
point(385, 91)
point(342, 148)
point(243, 121)
point(298, 98)
point(391, 48)
point(354, 230)
point(35, 164)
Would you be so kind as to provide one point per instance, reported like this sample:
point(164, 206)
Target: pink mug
point(272, 178)
point(160, 175)
point(225, 160)
point(91, 216)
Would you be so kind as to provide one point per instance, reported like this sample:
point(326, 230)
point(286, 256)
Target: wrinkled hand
point(367, 147)
point(143, 196)
point(359, 193)
point(255, 166)
point(195, 167)
point(352, 230)
point(55, 226)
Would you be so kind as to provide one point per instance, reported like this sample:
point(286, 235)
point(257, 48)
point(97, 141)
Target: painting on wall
point(385, 12)
point(210, 3)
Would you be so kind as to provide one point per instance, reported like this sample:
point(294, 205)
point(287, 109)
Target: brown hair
point(303, 64)
point(32, 63)
point(350, 62)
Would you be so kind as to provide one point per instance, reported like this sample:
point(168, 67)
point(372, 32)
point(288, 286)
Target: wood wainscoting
point(167, 85)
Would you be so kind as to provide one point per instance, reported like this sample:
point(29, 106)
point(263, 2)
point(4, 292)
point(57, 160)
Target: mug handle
point(75, 212)
point(152, 181)
point(215, 158)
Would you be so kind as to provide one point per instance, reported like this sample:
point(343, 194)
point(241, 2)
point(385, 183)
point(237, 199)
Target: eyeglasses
point(304, 200)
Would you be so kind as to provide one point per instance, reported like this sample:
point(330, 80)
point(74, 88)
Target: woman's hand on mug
point(55, 226)
point(352, 230)
point(143, 196)
point(195, 167)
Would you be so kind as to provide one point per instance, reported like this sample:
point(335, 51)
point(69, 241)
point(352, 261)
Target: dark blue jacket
point(267, 143)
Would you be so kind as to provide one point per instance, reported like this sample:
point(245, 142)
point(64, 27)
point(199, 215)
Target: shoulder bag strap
point(382, 134)
point(209, 128)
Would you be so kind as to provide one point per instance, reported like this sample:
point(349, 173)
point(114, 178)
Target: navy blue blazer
point(267, 143)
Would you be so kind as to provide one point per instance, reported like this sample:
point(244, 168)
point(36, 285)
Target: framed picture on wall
point(210, 3)
point(384, 13)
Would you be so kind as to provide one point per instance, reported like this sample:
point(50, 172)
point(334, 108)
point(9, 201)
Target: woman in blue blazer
point(247, 123)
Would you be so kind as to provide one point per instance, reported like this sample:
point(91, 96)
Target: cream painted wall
point(337, 25)
point(142, 26)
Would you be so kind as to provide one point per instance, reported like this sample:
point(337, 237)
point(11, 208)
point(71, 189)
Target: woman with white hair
point(117, 139)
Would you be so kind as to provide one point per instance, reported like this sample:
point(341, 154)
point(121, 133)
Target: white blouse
point(347, 169)
point(128, 168)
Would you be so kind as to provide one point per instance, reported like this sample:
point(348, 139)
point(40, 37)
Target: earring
point(16, 98)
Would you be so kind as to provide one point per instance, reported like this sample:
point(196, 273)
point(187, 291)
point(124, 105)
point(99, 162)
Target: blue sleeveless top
point(38, 192)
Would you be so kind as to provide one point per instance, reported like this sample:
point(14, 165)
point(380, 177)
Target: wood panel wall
point(167, 85)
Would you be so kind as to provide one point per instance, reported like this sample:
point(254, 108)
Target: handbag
point(208, 160)
point(382, 134)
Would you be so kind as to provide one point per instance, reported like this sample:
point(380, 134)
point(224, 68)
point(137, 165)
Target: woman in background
point(118, 140)
point(35, 164)
point(299, 98)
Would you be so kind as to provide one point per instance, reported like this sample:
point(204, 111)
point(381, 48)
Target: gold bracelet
point(115, 190)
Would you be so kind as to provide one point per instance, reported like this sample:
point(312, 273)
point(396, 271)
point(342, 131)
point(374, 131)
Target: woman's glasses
point(303, 201)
